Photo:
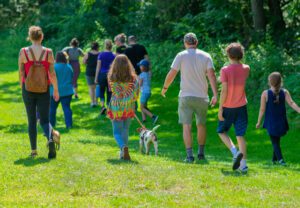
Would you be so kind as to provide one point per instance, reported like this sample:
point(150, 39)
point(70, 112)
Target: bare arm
point(85, 58)
point(97, 71)
point(223, 97)
point(21, 66)
point(262, 109)
point(168, 81)
point(213, 83)
point(52, 75)
point(290, 101)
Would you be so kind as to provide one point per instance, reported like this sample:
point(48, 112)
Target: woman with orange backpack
point(35, 78)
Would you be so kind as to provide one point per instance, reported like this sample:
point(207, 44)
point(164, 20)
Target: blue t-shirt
point(106, 58)
point(146, 84)
point(64, 74)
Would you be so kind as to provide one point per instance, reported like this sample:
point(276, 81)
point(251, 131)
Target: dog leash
point(138, 120)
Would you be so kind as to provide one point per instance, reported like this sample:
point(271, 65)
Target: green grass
point(87, 172)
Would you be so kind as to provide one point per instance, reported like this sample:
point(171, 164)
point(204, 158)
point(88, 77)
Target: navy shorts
point(236, 116)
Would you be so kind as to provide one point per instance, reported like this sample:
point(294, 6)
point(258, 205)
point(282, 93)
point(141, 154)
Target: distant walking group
point(120, 78)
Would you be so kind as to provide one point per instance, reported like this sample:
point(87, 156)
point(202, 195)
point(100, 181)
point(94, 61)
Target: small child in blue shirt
point(145, 86)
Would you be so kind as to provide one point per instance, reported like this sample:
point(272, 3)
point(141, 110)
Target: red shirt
point(29, 63)
point(235, 75)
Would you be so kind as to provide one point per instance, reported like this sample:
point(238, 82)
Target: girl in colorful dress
point(124, 86)
point(273, 104)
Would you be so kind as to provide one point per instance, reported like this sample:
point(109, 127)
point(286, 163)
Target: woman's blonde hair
point(108, 44)
point(35, 33)
point(121, 70)
point(275, 81)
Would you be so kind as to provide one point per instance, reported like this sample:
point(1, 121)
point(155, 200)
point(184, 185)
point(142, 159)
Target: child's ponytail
point(275, 81)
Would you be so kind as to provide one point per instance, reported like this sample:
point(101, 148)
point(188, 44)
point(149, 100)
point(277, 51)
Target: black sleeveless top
point(91, 64)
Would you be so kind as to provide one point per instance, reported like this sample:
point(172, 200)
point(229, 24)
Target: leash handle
point(138, 120)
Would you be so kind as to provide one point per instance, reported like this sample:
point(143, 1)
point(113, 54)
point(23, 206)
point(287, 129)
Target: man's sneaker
point(126, 155)
point(281, 162)
point(154, 119)
point(237, 160)
point(201, 157)
point(52, 151)
point(189, 159)
point(244, 169)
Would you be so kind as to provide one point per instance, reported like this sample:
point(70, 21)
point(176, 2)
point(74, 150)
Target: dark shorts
point(236, 116)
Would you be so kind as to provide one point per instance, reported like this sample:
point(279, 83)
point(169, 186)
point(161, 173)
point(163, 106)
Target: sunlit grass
point(87, 172)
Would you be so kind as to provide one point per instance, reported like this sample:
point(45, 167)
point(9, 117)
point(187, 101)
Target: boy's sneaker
point(244, 169)
point(201, 157)
point(189, 159)
point(52, 151)
point(281, 162)
point(154, 119)
point(237, 160)
point(126, 155)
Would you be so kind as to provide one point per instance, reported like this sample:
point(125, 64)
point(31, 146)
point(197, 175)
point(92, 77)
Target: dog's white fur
point(146, 137)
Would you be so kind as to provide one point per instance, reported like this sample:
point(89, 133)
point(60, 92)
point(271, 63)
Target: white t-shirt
point(193, 65)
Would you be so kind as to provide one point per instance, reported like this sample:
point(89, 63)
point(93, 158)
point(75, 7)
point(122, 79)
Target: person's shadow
point(119, 162)
point(29, 161)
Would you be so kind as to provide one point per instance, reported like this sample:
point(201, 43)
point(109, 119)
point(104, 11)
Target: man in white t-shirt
point(194, 66)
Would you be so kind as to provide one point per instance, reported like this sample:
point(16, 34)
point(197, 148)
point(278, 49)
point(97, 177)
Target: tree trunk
point(276, 18)
point(259, 19)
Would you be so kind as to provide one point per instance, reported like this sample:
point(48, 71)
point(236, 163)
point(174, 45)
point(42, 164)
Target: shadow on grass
point(119, 162)
point(29, 162)
point(233, 173)
point(14, 128)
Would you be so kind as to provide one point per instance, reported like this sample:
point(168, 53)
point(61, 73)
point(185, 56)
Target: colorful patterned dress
point(122, 103)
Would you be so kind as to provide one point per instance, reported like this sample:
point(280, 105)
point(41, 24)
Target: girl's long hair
point(275, 81)
point(121, 70)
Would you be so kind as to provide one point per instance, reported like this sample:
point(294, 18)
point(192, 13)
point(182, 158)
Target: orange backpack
point(37, 78)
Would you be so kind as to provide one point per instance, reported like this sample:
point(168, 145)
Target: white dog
point(146, 137)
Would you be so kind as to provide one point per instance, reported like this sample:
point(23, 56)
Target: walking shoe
point(281, 162)
point(126, 155)
point(52, 151)
point(189, 159)
point(103, 111)
point(237, 160)
point(33, 154)
point(121, 154)
point(56, 138)
point(201, 157)
point(244, 169)
point(154, 119)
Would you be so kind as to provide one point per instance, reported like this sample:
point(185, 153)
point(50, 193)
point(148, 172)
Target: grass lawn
point(87, 172)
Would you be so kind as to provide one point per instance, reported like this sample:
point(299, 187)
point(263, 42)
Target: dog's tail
point(155, 128)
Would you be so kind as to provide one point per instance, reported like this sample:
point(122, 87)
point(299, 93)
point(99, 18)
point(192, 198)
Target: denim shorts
point(188, 106)
point(144, 98)
point(236, 116)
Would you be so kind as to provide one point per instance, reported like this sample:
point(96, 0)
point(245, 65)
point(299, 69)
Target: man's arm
point(213, 83)
point(168, 81)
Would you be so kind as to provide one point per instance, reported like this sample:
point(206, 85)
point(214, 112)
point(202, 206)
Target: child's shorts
point(236, 116)
point(144, 98)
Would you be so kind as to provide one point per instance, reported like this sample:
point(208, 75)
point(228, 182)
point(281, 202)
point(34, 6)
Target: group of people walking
point(122, 75)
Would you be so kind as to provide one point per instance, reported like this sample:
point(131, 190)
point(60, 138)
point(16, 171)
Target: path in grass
point(87, 172)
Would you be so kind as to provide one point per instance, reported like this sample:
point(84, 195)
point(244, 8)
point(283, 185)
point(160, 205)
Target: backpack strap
point(42, 55)
point(32, 54)
point(25, 53)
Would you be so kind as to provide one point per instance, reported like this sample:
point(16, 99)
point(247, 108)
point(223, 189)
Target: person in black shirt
point(120, 41)
point(90, 60)
point(135, 52)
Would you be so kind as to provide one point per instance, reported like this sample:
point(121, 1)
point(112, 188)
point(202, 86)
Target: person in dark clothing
point(90, 60)
point(135, 53)
point(120, 41)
